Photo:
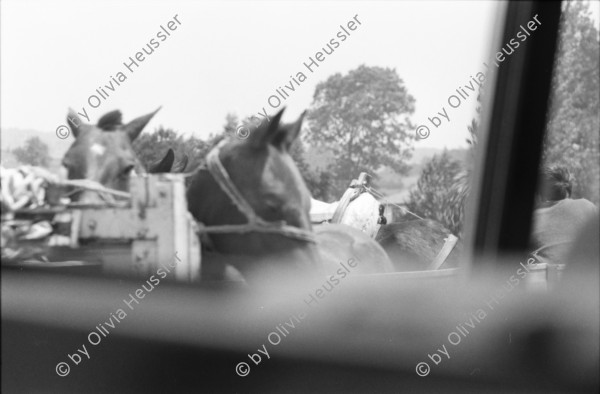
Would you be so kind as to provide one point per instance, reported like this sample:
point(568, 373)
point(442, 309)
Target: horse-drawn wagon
point(153, 226)
point(361, 207)
point(130, 238)
point(250, 219)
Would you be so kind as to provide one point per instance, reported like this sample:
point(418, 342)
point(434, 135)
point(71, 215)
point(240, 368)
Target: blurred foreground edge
point(366, 336)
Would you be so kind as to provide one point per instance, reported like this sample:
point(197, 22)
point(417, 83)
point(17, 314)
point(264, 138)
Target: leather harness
point(255, 223)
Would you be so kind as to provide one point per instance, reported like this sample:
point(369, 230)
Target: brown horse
point(413, 244)
point(253, 224)
point(103, 153)
point(262, 170)
point(278, 244)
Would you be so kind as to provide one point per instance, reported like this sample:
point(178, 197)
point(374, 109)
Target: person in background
point(557, 218)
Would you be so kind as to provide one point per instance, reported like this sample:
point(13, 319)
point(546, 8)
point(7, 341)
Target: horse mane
point(110, 121)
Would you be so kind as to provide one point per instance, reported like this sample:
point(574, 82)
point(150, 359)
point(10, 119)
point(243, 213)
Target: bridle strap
point(275, 228)
point(255, 224)
point(220, 175)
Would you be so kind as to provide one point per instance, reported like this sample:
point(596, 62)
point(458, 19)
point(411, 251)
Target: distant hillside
point(423, 154)
point(395, 187)
point(14, 138)
point(320, 157)
point(8, 159)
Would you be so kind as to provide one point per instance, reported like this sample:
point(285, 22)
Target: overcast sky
point(230, 57)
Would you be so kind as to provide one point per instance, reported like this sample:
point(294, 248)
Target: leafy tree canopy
point(363, 119)
point(152, 147)
point(435, 196)
point(34, 152)
point(574, 125)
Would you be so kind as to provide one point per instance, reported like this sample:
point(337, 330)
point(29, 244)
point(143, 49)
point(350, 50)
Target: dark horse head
point(267, 178)
point(103, 153)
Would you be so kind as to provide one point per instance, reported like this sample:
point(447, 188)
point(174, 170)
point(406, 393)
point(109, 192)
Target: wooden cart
point(154, 229)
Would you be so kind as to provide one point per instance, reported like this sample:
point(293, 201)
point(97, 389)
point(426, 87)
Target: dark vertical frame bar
point(513, 145)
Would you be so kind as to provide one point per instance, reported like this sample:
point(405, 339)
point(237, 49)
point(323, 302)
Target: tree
point(461, 186)
point(434, 197)
point(573, 124)
point(318, 182)
point(473, 128)
point(231, 124)
point(151, 147)
point(34, 152)
point(362, 118)
point(445, 184)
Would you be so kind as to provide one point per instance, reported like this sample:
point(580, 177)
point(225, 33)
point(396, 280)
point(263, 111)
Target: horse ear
point(287, 134)
point(110, 121)
point(74, 122)
point(180, 165)
point(263, 135)
point(135, 127)
point(164, 165)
